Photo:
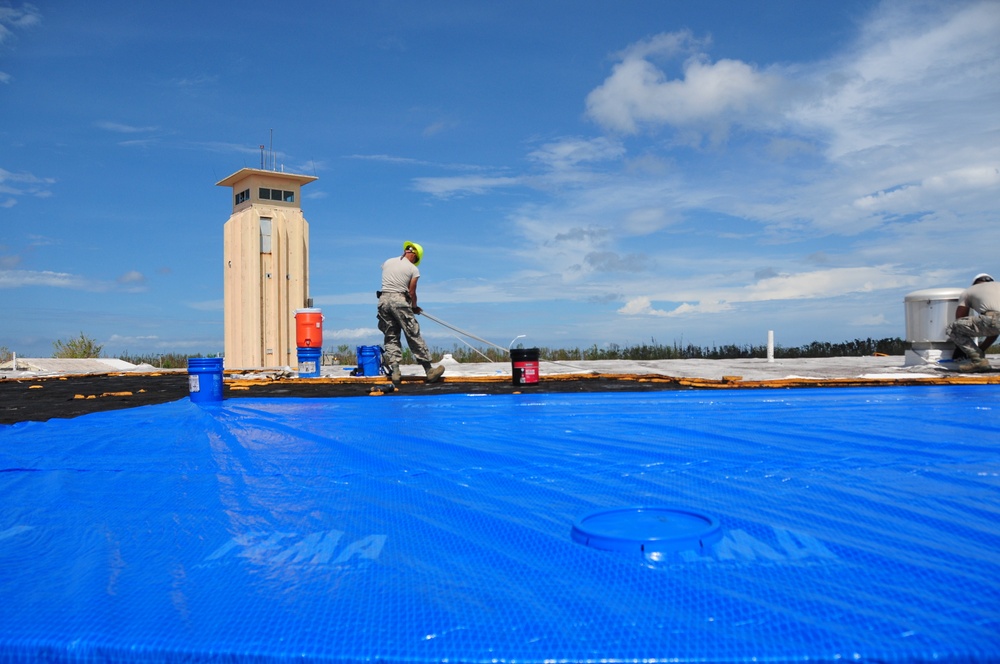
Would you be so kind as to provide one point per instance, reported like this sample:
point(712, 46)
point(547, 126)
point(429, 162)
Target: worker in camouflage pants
point(983, 298)
point(397, 306)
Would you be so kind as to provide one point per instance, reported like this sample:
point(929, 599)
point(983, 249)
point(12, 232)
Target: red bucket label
point(526, 372)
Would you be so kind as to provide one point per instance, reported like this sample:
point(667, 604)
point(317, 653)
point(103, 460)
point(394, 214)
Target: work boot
point(394, 375)
point(978, 365)
point(434, 374)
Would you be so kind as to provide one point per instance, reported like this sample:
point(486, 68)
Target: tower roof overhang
point(245, 173)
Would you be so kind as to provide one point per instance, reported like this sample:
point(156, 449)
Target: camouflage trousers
point(395, 316)
point(963, 332)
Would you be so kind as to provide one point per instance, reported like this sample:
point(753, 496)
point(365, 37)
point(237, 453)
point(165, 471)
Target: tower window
point(265, 235)
point(242, 197)
point(266, 194)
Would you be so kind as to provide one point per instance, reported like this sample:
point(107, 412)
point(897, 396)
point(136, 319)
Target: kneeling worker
point(397, 304)
point(983, 297)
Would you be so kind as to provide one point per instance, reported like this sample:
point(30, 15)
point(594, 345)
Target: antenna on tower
point(272, 149)
point(261, 157)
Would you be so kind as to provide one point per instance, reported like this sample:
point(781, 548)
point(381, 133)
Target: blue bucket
point(205, 379)
point(369, 361)
point(309, 362)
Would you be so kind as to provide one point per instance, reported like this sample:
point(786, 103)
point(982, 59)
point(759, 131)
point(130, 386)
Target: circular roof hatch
point(646, 530)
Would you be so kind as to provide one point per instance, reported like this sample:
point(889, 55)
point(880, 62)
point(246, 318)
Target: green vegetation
point(82, 346)
point(655, 351)
point(345, 355)
point(160, 360)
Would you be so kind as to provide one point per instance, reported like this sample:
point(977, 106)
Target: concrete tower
point(266, 264)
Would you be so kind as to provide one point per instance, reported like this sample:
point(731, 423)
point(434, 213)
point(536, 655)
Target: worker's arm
point(961, 312)
point(413, 295)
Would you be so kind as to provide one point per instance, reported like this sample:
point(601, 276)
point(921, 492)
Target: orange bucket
point(308, 328)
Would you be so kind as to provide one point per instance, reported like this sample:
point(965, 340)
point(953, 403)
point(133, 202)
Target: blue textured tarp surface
point(858, 524)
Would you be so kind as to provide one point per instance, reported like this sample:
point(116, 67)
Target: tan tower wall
point(266, 269)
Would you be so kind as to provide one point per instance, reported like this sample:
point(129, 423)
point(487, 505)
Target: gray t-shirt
point(397, 273)
point(981, 297)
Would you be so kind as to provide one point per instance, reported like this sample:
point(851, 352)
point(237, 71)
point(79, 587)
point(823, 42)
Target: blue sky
point(578, 172)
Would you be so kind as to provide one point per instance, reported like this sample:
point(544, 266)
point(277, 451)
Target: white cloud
point(24, 184)
point(445, 187)
point(23, 278)
point(207, 305)
point(409, 161)
point(388, 158)
point(919, 73)
point(120, 340)
point(351, 334)
point(512, 288)
point(818, 284)
point(133, 281)
point(139, 143)
point(310, 166)
point(823, 283)
point(128, 282)
point(665, 45)
point(131, 277)
point(344, 299)
point(195, 81)
point(646, 220)
point(121, 128)
point(569, 153)
point(25, 16)
point(872, 320)
point(929, 192)
point(610, 261)
point(641, 306)
point(681, 232)
point(153, 343)
point(901, 122)
point(976, 186)
point(436, 128)
point(710, 96)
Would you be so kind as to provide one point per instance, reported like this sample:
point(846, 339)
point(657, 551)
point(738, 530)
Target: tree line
point(344, 354)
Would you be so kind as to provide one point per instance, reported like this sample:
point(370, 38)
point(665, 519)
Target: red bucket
point(524, 365)
point(308, 328)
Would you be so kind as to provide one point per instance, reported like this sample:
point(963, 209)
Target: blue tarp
point(857, 524)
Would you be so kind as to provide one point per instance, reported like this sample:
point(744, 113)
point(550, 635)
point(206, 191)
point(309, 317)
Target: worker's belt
point(379, 293)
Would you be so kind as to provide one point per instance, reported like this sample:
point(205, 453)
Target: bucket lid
point(309, 310)
point(646, 529)
point(933, 294)
point(205, 362)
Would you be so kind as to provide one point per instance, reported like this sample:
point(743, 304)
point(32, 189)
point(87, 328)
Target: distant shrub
point(5, 354)
point(82, 346)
